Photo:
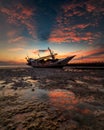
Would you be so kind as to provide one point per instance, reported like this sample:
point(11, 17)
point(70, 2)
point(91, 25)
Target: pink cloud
point(69, 34)
point(16, 39)
point(95, 6)
point(21, 15)
point(80, 26)
point(78, 13)
point(65, 31)
point(12, 33)
point(71, 9)
point(72, 6)
point(90, 8)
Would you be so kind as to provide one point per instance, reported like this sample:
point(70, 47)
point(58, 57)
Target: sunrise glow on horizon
point(72, 27)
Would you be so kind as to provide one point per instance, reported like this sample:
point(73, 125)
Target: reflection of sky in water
point(17, 85)
point(62, 98)
point(39, 94)
point(59, 99)
point(54, 96)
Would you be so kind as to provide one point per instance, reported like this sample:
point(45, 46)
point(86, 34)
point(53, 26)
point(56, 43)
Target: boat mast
point(52, 55)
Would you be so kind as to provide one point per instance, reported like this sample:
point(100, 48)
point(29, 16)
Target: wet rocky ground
point(51, 99)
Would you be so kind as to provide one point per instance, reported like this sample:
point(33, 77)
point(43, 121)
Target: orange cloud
point(89, 59)
point(15, 49)
point(93, 55)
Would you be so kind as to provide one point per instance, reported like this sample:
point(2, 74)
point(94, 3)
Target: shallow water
point(51, 98)
point(56, 96)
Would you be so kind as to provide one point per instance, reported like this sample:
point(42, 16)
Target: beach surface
point(51, 98)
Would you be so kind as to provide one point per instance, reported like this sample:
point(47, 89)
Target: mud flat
point(51, 99)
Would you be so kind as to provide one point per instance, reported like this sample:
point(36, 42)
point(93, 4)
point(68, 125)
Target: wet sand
point(51, 99)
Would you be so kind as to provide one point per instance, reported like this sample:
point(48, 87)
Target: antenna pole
point(51, 53)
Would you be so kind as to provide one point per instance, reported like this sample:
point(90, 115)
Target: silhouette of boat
point(49, 61)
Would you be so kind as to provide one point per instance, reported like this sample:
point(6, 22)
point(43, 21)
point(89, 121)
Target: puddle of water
point(57, 98)
point(62, 99)
point(39, 94)
point(11, 88)
point(29, 80)
point(9, 91)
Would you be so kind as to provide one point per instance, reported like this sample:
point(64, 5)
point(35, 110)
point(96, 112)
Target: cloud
point(15, 49)
point(91, 6)
point(39, 51)
point(95, 7)
point(12, 33)
point(93, 52)
point(21, 16)
point(16, 39)
point(70, 34)
point(92, 55)
point(66, 30)
point(72, 6)
point(90, 59)
point(80, 26)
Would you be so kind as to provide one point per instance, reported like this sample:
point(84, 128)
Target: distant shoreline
point(13, 66)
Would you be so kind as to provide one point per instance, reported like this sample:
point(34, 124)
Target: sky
point(68, 27)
